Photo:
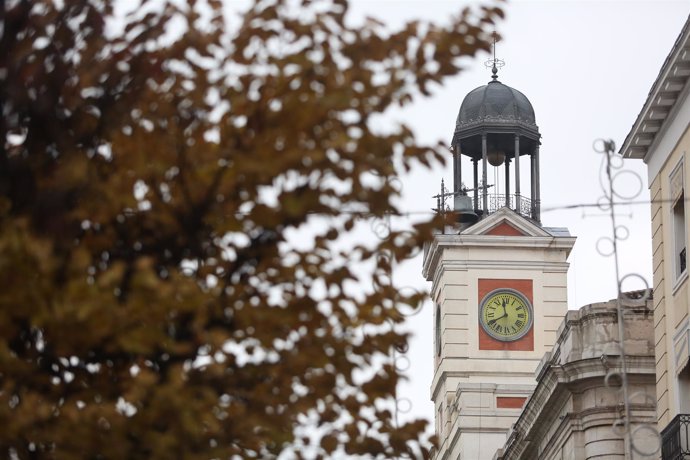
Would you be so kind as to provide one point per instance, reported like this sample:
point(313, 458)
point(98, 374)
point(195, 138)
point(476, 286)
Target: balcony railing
point(674, 439)
point(520, 204)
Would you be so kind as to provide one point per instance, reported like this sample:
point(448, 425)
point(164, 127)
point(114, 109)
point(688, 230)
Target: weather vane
point(495, 63)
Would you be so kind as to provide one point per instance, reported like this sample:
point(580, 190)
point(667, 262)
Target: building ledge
point(661, 100)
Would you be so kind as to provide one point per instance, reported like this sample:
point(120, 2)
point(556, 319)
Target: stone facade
point(573, 411)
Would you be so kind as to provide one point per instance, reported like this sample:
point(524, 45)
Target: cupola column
point(507, 181)
point(517, 173)
point(457, 172)
point(536, 197)
point(475, 161)
point(533, 181)
point(485, 195)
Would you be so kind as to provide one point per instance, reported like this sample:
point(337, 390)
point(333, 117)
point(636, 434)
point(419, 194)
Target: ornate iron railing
point(469, 203)
point(520, 204)
point(675, 438)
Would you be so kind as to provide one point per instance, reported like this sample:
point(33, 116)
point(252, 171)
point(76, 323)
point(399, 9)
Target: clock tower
point(498, 276)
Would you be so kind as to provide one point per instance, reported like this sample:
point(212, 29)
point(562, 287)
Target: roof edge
point(656, 109)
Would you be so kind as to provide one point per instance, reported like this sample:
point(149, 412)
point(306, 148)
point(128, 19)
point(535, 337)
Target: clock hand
point(496, 319)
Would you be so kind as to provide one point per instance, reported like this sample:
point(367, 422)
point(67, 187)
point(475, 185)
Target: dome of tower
point(495, 103)
point(496, 127)
point(501, 112)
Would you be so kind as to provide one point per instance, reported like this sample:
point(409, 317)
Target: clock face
point(505, 314)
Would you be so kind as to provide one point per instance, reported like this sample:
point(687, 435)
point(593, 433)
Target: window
point(679, 234)
point(684, 390)
point(438, 330)
point(677, 190)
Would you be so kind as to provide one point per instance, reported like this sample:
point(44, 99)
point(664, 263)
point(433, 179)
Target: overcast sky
point(586, 67)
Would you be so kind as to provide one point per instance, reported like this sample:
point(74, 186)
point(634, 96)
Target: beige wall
point(671, 301)
point(661, 137)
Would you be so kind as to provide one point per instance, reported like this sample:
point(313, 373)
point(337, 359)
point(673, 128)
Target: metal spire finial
point(494, 64)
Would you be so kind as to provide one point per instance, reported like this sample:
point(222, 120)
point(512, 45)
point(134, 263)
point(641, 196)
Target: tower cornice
point(433, 252)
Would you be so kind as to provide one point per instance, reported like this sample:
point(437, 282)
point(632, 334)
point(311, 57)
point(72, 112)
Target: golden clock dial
point(505, 314)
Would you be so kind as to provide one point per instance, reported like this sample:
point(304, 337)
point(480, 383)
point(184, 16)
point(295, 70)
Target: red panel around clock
point(486, 342)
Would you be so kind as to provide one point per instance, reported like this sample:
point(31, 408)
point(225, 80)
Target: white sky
point(587, 67)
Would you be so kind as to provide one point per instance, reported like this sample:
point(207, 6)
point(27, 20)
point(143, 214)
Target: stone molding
point(576, 369)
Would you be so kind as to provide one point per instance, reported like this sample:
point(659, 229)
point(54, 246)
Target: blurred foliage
point(153, 164)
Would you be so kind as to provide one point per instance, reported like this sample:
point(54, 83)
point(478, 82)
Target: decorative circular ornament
point(505, 314)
